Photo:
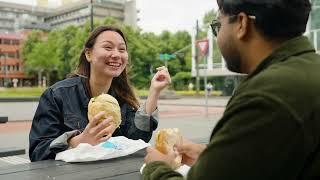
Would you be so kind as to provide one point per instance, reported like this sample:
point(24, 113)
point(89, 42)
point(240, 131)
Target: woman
point(61, 121)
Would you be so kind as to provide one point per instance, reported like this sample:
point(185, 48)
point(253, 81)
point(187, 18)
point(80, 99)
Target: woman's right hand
point(94, 133)
point(190, 151)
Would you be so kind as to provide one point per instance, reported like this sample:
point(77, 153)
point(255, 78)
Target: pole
point(205, 84)
point(91, 15)
point(166, 63)
point(197, 62)
point(5, 82)
point(2, 66)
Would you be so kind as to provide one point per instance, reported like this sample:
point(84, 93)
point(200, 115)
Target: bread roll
point(109, 105)
point(165, 140)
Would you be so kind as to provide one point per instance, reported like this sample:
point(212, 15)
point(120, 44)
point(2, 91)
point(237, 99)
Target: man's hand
point(190, 151)
point(155, 155)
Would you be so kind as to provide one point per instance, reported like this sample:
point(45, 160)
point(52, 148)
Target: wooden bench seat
point(11, 151)
point(3, 119)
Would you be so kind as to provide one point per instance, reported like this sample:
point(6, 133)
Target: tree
point(28, 45)
point(60, 50)
point(42, 59)
point(180, 80)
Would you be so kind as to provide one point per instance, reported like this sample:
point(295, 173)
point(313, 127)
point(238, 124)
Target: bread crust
point(165, 140)
point(109, 105)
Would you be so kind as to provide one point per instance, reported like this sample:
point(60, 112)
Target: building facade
point(46, 15)
point(79, 12)
point(11, 67)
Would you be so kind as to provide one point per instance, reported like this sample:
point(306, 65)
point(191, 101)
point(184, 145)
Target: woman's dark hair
point(275, 19)
point(120, 85)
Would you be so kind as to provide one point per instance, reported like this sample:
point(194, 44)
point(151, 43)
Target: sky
point(158, 15)
point(172, 15)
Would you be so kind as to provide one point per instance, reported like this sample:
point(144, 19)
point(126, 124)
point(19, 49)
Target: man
point(271, 126)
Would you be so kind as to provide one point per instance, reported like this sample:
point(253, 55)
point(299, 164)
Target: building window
point(6, 41)
point(11, 55)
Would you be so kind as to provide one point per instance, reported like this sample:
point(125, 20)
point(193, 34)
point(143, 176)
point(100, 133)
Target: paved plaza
point(187, 114)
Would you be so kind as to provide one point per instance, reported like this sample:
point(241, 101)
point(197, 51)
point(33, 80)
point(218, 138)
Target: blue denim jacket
point(62, 114)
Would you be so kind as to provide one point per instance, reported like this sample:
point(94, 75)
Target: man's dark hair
point(275, 19)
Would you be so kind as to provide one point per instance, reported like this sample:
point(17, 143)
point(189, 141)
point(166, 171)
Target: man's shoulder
point(294, 70)
point(297, 76)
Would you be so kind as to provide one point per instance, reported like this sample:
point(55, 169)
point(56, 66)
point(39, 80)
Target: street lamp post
point(5, 82)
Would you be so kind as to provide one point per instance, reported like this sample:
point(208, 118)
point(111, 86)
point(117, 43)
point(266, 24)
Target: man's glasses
point(216, 24)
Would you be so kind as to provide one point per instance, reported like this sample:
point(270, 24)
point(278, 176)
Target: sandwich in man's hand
point(165, 141)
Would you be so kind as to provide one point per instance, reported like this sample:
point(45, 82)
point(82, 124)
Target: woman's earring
point(88, 57)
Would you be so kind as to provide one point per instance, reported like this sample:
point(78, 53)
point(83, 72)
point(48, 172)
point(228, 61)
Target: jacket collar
point(86, 96)
point(292, 47)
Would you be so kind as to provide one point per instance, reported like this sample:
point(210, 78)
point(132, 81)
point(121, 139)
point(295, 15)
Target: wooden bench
point(3, 119)
point(11, 151)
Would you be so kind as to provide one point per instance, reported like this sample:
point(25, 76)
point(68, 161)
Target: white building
point(219, 69)
point(47, 15)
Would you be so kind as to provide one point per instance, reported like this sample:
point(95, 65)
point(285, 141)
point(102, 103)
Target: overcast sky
point(158, 15)
point(172, 15)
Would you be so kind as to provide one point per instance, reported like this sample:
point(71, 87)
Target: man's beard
point(233, 63)
point(232, 58)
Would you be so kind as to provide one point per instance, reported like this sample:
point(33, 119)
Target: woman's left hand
point(161, 79)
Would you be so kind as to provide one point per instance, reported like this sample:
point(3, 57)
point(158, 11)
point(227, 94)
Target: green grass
point(193, 93)
point(21, 92)
point(142, 93)
point(36, 92)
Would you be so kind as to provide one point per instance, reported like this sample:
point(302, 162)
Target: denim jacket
point(62, 114)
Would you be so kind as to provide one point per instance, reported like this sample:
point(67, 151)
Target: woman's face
point(109, 55)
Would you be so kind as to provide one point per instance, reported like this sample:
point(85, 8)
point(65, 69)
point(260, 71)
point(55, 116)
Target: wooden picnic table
point(118, 169)
point(123, 168)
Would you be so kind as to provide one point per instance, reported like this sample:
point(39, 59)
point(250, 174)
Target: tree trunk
point(39, 78)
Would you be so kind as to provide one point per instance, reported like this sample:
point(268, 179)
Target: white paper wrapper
point(115, 147)
point(184, 169)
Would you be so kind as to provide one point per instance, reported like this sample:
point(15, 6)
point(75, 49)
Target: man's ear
point(243, 25)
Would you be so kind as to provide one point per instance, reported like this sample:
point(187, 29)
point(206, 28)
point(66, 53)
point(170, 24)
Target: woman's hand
point(160, 80)
point(94, 133)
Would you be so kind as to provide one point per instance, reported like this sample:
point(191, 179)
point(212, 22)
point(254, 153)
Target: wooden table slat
point(87, 170)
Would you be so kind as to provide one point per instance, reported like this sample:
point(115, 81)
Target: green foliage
point(28, 45)
point(207, 19)
point(181, 80)
point(58, 52)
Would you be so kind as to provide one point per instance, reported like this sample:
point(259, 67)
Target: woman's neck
point(99, 85)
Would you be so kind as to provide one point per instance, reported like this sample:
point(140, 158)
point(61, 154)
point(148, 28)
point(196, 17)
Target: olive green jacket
point(271, 126)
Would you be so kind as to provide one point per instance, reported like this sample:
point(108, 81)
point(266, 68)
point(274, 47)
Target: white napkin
point(113, 148)
point(184, 169)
